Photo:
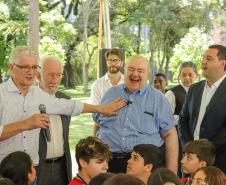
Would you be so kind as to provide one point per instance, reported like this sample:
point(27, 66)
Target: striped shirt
point(147, 115)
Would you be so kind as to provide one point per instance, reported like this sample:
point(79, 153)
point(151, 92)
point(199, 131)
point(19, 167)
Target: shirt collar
point(185, 88)
point(217, 83)
point(106, 78)
point(11, 86)
point(140, 91)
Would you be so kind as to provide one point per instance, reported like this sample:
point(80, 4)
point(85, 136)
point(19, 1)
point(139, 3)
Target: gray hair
point(188, 64)
point(26, 50)
point(45, 59)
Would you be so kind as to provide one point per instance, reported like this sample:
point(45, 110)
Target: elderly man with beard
point(114, 59)
point(147, 119)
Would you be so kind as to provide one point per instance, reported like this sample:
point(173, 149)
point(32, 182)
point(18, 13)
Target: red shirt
point(76, 181)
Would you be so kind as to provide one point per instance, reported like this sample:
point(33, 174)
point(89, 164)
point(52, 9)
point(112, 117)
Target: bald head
point(136, 73)
point(50, 74)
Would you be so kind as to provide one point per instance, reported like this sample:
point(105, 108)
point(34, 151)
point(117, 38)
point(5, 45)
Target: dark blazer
point(213, 126)
point(43, 146)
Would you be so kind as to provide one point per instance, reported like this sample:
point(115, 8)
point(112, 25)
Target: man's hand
point(37, 121)
point(111, 108)
point(33, 122)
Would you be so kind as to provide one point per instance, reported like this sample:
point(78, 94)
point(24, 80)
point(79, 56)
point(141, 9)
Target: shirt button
point(127, 118)
point(123, 138)
point(24, 137)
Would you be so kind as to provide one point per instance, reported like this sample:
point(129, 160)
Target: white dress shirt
point(55, 147)
point(172, 100)
point(100, 86)
point(208, 93)
point(16, 107)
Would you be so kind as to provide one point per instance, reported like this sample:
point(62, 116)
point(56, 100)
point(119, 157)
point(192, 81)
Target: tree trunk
point(68, 79)
point(86, 11)
point(138, 40)
point(0, 76)
point(33, 29)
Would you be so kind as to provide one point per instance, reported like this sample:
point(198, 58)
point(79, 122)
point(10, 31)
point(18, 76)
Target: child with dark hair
point(197, 154)
point(6, 181)
point(145, 158)
point(123, 179)
point(101, 178)
point(92, 156)
point(163, 176)
point(18, 167)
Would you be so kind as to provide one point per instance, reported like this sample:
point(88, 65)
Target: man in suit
point(203, 114)
point(55, 157)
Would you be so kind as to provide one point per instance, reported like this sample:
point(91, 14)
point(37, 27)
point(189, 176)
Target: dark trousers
point(54, 173)
point(118, 163)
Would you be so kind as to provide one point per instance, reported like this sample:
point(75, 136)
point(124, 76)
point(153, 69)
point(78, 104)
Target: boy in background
point(197, 154)
point(92, 156)
point(145, 158)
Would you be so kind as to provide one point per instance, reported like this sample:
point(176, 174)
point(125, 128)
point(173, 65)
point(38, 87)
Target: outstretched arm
point(109, 109)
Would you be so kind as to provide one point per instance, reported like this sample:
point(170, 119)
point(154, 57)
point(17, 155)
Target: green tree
point(190, 48)
point(13, 29)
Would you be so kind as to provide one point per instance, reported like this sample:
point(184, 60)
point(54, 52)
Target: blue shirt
point(142, 121)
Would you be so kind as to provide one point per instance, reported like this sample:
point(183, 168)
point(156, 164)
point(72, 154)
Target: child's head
point(18, 167)
point(163, 176)
point(209, 175)
point(197, 154)
point(92, 156)
point(6, 181)
point(144, 159)
point(101, 178)
point(123, 179)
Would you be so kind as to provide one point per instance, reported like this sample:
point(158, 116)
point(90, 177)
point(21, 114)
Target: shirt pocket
point(148, 124)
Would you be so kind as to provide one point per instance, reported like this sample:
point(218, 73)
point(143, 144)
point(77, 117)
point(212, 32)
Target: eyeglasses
point(113, 60)
point(27, 68)
point(198, 182)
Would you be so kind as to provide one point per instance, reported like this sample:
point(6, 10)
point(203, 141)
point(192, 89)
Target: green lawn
point(82, 125)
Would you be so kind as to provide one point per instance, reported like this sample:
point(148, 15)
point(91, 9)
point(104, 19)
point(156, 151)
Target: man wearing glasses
point(114, 60)
point(20, 118)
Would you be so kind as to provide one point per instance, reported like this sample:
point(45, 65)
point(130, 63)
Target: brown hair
point(115, 51)
point(91, 148)
point(204, 150)
point(123, 179)
point(214, 176)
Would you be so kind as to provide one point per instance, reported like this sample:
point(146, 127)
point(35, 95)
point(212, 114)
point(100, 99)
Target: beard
point(114, 69)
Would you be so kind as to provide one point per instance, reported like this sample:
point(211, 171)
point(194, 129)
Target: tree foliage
point(62, 31)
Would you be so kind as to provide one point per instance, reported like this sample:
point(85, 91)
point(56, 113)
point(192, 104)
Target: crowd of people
point(143, 134)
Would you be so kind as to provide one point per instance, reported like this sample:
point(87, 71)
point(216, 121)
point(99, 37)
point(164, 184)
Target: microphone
point(47, 134)
point(129, 102)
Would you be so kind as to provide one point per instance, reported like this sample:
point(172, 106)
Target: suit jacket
point(43, 145)
point(213, 125)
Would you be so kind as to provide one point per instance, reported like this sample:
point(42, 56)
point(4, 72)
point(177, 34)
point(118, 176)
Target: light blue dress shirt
point(142, 121)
